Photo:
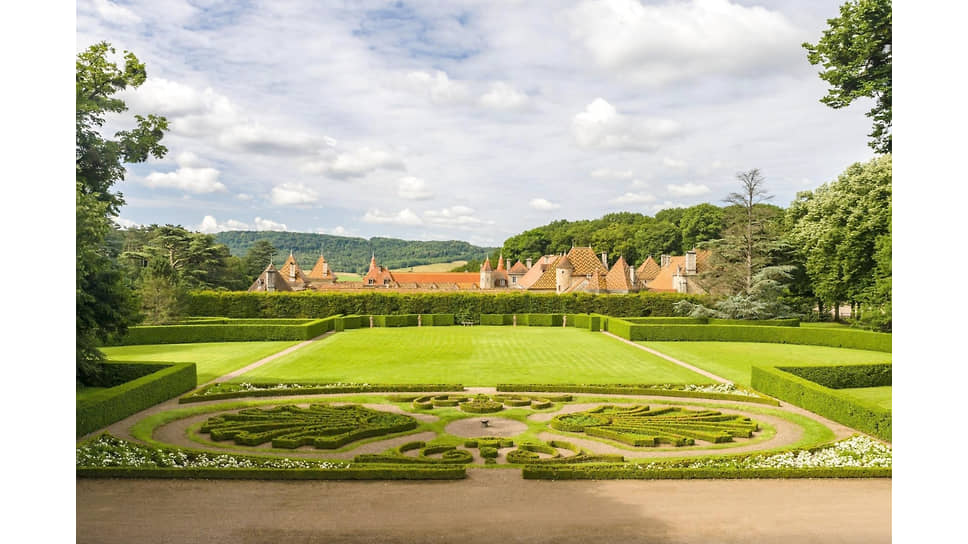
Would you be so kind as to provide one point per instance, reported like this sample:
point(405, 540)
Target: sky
point(468, 120)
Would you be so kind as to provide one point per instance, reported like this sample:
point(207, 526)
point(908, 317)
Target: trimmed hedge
point(756, 322)
point(840, 338)
point(668, 320)
point(367, 472)
point(315, 389)
point(231, 331)
point(317, 304)
point(780, 383)
point(845, 376)
point(152, 383)
point(623, 389)
point(605, 472)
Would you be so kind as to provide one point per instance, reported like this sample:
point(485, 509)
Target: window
point(514, 279)
point(370, 281)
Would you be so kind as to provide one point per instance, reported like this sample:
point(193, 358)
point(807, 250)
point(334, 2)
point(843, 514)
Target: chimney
point(632, 275)
point(270, 281)
point(604, 260)
point(528, 263)
point(508, 264)
point(691, 262)
point(664, 261)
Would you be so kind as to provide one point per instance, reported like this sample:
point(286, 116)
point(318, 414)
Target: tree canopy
point(855, 52)
point(105, 303)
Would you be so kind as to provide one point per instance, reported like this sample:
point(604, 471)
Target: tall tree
point(105, 305)
point(258, 257)
point(747, 237)
point(855, 52)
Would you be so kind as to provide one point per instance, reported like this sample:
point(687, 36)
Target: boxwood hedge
point(841, 338)
point(135, 386)
point(232, 331)
point(623, 389)
point(830, 403)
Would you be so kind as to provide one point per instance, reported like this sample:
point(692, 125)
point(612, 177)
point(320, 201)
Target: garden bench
point(467, 323)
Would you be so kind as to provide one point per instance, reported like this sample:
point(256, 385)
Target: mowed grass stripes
point(473, 356)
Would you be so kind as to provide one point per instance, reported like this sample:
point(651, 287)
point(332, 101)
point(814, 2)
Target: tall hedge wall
point(317, 304)
point(841, 338)
point(155, 382)
point(845, 376)
point(229, 332)
point(830, 403)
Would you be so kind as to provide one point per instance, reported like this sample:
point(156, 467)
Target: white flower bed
point(108, 451)
point(246, 387)
point(857, 451)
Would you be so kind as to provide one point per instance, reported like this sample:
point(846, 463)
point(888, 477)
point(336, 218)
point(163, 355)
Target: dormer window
point(370, 281)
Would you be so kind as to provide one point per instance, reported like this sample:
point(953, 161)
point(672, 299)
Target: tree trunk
point(820, 312)
point(837, 311)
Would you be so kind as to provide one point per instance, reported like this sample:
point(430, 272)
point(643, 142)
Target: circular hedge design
point(321, 425)
point(640, 426)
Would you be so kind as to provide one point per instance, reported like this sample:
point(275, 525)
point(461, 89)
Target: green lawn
point(732, 360)
point(211, 359)
point(881, 396)
point(473, 356)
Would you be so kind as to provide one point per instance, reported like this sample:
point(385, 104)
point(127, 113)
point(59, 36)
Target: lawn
point(473, 356)
point(211, 359)
point(732, 360)
point(881, 396)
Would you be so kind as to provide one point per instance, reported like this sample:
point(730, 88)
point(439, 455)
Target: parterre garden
point(418, 397)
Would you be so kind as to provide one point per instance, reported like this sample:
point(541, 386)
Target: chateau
point(578, 271)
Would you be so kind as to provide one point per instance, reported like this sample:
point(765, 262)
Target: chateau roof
point(487, 264)
point(618, 277)
point(279, 283)
point(677, 264)
point(317, 272)
point(436, 277)
point(648, 270)
point(518, 268)
point(564, 263)
point(291, 268)
point(585, 261)
point(536, 272)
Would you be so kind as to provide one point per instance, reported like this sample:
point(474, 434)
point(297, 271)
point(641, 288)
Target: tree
point(258, 257)
point(746, 238)
point(701, 223)
point(105, 304)
point(843, 230)
point(855, 52)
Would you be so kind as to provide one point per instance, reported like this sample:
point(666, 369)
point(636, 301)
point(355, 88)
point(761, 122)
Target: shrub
point(843, 338)
point(845, 376)
point(136, 386)
point(218, 391)
point(232, 331)
point(830, 403)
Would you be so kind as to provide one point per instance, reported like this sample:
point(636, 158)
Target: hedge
point(623, 389)
point(228, 332)
point(780, 383)
point(606, 472)
point(315, 304)
point(845, 376)
point(315, 389)
point(841, 338)
point(152, 383)
point(668, 320)
point(368, 472)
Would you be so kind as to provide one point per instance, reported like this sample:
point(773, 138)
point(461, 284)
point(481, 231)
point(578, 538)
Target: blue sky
point(469, 120)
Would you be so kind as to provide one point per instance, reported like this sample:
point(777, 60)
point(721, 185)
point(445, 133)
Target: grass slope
point(211, 359)
point(733, 360)
point(474, 356)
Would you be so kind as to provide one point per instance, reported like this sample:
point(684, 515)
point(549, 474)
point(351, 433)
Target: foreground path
point(490, 506)
point(265, 360)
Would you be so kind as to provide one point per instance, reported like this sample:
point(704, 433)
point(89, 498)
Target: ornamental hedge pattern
point(321, 425)
point(639, 426)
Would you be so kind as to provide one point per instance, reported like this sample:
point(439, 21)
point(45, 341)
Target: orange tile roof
point(436, 277)
point(278, 282)
point(648, 270)
point(663, 280)
point(547, 279)
point(536, 272)
point(585, 261)
point(518, 268)
point(317, 272)
point(618, 277)
point(291, 269)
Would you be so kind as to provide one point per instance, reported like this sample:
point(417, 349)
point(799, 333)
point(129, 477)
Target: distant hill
point(346, 254)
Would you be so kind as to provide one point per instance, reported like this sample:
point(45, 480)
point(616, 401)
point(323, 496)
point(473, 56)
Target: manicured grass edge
point(631, 390)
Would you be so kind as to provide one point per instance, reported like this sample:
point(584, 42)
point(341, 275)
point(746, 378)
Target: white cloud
point(115, 13)
point(606, 173)
point(461, 217)
point(600, 126)
point(674, 164)
point(244, 196)
point(439, 87)
point(403, 217)
point(126, 223)
point(357, 163)
point(661, 43)
point(335, 231)
point(687, 189)
point(543, 205)
point(412, 188)
point(292, 194)
point(634, 198)
point(210, 225)
point(192, 180)
point(268, 224)
point(504, 97)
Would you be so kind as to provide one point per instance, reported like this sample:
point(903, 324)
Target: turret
point(563, 272)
